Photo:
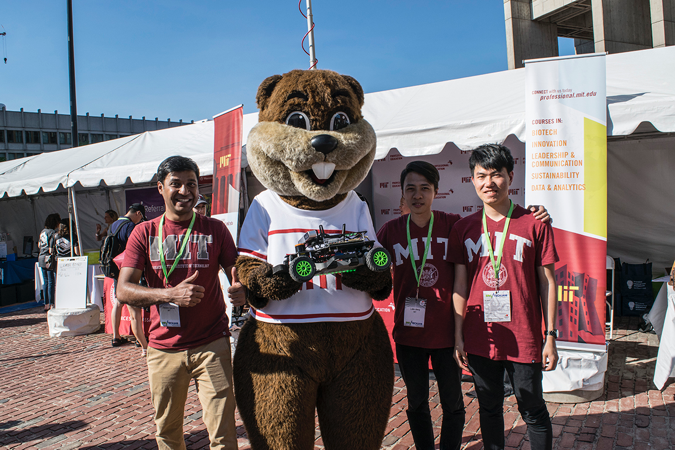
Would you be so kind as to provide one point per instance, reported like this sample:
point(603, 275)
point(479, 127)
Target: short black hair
point(112, 213)
point(427, 170)
point(52, 221)
point(491, 156)
point(176, 164)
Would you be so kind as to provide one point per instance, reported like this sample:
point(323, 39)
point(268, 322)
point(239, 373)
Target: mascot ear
point(265, 90)
point(358, 90)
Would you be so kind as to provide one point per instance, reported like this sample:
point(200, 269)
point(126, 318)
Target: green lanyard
point(418, 276)
point(496, 265)
point(180, 253)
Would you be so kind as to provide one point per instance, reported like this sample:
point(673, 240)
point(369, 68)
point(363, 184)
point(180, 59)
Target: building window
point(3, 158)
point(96, 138)
point(65, 139)
point(109, 137)
point(84, 138)
point(14, 136)
point(2, 135)
point(32, 137)
point(14, 155)
point(49, 137)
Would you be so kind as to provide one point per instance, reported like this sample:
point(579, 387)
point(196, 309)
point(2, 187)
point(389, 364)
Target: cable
point(302, 43)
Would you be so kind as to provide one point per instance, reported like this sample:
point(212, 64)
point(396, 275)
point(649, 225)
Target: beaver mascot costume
point(319, 344)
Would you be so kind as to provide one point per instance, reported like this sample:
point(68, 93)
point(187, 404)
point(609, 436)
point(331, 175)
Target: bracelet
point(553, 333)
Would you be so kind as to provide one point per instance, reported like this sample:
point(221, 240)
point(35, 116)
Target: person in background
point(109, 217)
point(200, 206)
point(63, 240)
point(46, 244)
point(123, 227)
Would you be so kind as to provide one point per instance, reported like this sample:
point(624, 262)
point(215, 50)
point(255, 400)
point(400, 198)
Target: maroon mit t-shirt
point(210, 247)
point(529, 244)
point(436, 283)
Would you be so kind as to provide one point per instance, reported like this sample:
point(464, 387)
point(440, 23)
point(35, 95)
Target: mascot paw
point(257, 276)
point(376, 284)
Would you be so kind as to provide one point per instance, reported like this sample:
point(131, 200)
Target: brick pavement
point(78, 392)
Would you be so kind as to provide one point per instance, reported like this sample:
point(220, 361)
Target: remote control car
point(320, 253)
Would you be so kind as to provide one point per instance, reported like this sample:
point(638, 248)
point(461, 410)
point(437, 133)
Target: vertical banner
point(228, 129)
point(566, 171)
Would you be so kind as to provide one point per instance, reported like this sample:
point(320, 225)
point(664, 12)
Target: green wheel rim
point(303, 268)
point(380, 258)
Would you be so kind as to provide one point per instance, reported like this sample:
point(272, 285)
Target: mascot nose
point(324, 143)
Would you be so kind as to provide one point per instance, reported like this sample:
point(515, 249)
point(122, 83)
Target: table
point(15, 272)
point(662, 318)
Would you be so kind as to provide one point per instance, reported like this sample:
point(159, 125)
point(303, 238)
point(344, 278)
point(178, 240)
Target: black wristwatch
point(553, 333)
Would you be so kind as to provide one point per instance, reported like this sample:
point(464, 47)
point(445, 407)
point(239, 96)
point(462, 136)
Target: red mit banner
point(227, 161)
point(228, 130)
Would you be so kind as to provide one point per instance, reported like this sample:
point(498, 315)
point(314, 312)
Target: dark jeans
point(49, 287)
point(414, 365)
point(488, 377)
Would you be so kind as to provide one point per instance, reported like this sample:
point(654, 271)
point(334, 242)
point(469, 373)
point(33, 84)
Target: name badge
point(415, 309)
point(497, 306)
point(169, 315)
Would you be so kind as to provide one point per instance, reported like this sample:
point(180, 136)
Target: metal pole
point(71, 70)
point(70, 219)
point(71, 190)
point(77, 222)
point(310, 26)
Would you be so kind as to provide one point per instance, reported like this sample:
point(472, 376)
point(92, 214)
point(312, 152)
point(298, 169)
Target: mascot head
point(311, 140)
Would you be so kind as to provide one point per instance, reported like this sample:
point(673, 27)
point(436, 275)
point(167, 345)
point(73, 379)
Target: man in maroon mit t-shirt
point(181, 253)
point(504, 285)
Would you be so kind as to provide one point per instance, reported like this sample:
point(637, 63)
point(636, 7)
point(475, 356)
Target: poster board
point(71, 283)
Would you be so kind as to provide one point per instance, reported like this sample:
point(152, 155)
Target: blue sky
point(193, 59)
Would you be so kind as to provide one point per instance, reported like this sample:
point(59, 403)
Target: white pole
point(310, 25)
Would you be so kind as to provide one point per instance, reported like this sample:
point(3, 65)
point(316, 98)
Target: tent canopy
point(417, 120)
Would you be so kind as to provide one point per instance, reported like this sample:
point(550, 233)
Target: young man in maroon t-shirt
point(504, 286)
point(181, 253)
point(423, 314)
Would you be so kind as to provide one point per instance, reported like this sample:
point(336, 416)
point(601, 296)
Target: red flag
point(228, 130)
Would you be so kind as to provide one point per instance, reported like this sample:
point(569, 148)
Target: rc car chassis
point(320, 253)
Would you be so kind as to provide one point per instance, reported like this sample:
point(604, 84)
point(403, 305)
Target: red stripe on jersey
point(251, 252)
point(309, 316)
point(302, 230)
point(324, 282)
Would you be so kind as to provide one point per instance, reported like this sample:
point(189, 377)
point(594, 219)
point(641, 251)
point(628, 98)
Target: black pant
point(414, 365)
point(488, 377)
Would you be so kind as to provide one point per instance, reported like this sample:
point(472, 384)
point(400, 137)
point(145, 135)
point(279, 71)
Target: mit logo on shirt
point(402, 253)
point(172, 245)
point(323, 283)
point(480, 247)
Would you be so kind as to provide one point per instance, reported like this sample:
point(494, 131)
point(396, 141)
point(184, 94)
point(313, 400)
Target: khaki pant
point(169, 374)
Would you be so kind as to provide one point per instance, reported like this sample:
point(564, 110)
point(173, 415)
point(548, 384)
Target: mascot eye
point(298, 119)
point(339, 120)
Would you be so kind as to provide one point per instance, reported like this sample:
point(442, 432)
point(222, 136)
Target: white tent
point(417, 120)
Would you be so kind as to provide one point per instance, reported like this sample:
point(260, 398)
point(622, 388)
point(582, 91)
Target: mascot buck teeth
point(319, 344)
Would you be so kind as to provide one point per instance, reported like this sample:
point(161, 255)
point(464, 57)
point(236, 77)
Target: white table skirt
point(662, 318)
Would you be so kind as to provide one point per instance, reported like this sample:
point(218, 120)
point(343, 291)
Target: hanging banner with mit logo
point(566, 171)
point(228, 129)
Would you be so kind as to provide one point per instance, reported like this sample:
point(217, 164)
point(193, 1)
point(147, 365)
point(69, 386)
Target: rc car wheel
point(378, 259)
point(302, 269)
